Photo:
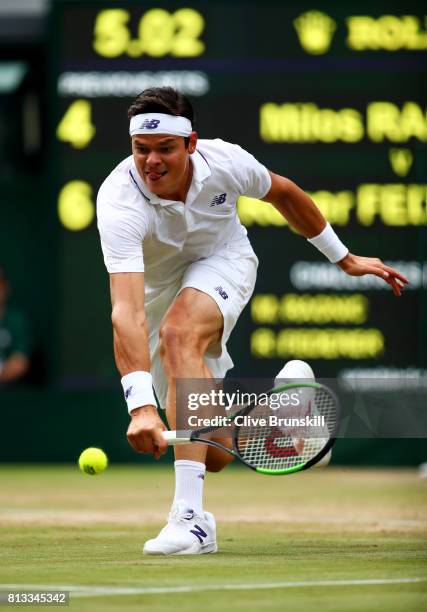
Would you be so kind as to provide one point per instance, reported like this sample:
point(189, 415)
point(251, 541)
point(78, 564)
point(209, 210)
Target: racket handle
point(173, 440)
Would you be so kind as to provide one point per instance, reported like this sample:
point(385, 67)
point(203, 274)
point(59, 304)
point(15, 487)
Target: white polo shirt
point(137, 227)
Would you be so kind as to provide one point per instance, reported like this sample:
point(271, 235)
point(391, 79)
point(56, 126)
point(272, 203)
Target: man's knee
point(179, 342)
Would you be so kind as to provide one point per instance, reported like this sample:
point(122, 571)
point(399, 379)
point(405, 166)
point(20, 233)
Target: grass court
point(331, 540)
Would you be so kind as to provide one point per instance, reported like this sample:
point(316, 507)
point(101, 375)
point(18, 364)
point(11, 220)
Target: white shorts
point(229, 278)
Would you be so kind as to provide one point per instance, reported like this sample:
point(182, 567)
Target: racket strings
point(284, 446)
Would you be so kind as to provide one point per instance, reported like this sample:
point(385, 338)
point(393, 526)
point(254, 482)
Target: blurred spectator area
point(25, 225)
point(22, 87)
point(15, 338)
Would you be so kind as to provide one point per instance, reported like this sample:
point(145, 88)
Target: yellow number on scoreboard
point(76, 209)
point(190, 24)
point(76, 125)
point(111, 33)
point(156, 32)
point(160, 33)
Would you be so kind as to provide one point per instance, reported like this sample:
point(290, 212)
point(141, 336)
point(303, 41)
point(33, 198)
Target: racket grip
point(173, 440)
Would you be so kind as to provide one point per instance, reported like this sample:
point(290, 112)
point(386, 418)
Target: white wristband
point(138, 390)
point(329, 244)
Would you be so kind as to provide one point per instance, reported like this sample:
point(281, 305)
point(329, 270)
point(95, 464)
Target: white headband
point(159, 123)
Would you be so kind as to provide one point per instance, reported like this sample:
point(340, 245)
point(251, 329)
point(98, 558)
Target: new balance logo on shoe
point(219, 199)
point(222, 293)
point(199, 533)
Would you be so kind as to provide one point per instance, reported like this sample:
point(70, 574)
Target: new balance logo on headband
point(219, 199)
point(144, 123)
point(149, 124)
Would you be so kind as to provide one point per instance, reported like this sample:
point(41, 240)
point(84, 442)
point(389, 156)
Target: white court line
point(95, 591)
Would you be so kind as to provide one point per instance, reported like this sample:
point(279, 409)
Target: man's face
point(163, 161)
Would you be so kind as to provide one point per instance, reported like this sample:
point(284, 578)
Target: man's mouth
point(155, 176)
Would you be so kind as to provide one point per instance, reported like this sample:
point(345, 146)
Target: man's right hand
point(145, 431)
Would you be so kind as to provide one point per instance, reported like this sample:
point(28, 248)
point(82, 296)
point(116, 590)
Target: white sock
point(189, 480)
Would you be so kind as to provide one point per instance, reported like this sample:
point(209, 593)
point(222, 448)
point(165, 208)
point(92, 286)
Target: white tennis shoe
point(185, 533)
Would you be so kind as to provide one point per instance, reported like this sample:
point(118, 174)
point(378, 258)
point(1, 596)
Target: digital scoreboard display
point(331, 95)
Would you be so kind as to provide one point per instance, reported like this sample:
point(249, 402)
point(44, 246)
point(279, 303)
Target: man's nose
point(154, 158)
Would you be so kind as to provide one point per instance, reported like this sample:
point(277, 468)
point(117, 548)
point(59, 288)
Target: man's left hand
point(355, 265)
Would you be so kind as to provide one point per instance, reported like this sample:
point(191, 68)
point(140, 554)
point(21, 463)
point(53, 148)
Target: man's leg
point(192, 324)
point(192, 344)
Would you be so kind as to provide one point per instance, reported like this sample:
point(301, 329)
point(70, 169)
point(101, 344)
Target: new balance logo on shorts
point(149, 124)
point(222, 293)
point(219, 199)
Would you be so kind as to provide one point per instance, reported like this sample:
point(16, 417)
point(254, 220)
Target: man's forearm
point(298, 208)
point(130, 342)
point(133, 362)
point(304, 216)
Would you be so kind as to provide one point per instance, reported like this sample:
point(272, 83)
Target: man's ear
point(192, 143)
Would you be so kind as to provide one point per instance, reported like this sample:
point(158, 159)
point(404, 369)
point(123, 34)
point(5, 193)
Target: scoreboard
point(331, 95)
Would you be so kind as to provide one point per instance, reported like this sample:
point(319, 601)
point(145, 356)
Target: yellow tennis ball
point(93, 461)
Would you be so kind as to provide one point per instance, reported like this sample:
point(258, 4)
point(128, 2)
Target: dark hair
point(165, 100)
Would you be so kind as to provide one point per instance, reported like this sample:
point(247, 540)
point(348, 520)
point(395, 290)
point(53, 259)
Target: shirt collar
point(201, 168)
point(136, 180)
point(201, 171)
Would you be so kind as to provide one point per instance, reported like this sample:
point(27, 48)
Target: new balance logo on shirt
point(222, 293)
point(219, 199)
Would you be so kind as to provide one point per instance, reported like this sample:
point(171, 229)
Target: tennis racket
point(276, 449)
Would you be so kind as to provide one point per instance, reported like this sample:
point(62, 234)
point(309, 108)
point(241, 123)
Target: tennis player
point(181, 271)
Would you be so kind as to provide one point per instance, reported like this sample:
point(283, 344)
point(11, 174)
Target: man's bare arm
point(303, 215)
point(296, 206)
point(129, 322)
point(132, 354)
